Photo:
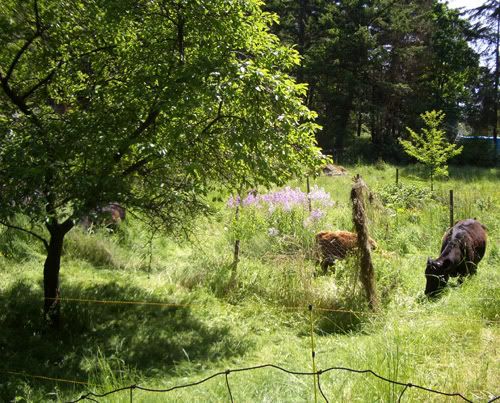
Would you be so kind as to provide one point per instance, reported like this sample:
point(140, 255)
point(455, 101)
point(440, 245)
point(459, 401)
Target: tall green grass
point(212, 319)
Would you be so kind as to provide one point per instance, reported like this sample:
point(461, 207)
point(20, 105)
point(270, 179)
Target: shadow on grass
point(464, 173)
point(149, 340)
point(349, 316)
point(340, 323)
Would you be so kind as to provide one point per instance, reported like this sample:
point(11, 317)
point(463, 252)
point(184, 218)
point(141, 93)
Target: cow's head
point(435, 277)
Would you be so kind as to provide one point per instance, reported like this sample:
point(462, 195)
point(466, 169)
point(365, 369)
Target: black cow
point(462, 249)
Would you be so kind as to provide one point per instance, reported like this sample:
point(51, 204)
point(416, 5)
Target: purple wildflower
point(315, 216)
point(318, 194)
point(233, 201)
point(286, 199)
point(273, 232)
point(251, 199)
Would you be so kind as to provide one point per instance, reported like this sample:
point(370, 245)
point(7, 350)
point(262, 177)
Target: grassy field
point(201, 318)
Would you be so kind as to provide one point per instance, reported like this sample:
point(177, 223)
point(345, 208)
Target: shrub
point(93, 248)
point(404, 196)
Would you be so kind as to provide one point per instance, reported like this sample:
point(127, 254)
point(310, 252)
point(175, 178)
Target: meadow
point(201, 314)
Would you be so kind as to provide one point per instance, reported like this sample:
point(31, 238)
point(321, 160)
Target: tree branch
point(214, 120)
point(43, 81)
point(37, 17)
point(40, 238)
point(51, 74)
point(15, 98)
point(136, 166)
point(150, 119)
point(19, 54)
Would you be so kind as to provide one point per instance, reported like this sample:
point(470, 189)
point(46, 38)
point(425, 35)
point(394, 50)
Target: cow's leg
point(326, 263)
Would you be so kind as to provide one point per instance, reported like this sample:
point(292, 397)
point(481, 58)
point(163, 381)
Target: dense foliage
point(430, 147)
point(146, 103)
point(487, 27)
point(373, 66)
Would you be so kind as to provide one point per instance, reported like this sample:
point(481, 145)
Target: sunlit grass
point(211, 321)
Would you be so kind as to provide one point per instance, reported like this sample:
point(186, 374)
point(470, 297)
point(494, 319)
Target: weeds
point(449, 344)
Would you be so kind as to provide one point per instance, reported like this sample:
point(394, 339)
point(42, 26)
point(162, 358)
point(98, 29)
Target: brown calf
point(333, 245)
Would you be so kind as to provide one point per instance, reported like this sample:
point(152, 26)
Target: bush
point(93, 248)
point(404, 196)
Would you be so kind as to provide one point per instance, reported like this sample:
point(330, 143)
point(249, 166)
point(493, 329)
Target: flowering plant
point(286, 199)
point(283, 214)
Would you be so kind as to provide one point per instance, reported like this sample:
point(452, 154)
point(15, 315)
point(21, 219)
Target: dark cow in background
point(109, 216)
point(462, 249)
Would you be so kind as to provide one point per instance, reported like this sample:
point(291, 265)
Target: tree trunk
point(342, 120)
point(301, 37)
point(495, 105)
point(359, 124)
point(52, 306)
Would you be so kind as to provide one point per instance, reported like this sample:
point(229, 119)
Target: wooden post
point(451, 208)
point(308, 188)
point(397, 176)
point(236, 252)
point(236, 255)
point(367, 272)
point(313, 354)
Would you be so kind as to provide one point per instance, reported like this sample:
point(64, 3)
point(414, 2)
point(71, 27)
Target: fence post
point(451, 208)
point(313, 354)
point(308, 188)
point(236, 254)
point(397, 176)
point(150, 250)
point(236, 251)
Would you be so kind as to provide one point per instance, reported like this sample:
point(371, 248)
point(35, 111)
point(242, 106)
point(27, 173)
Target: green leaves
point(430, 147)
point(146, 103)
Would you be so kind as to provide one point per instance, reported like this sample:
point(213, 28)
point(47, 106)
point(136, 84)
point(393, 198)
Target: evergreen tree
point(487, 19)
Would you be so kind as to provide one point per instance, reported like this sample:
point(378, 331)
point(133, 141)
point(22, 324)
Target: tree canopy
point(146, 103)
point(374, 66)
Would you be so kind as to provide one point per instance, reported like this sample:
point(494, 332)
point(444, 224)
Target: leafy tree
point(402, 31)
point(333, 39)
point(426, 63)
point(148, 103)
point(381, 63)
point(430, 147)
point(481, 110)
point(487, 17)
point(453, 65)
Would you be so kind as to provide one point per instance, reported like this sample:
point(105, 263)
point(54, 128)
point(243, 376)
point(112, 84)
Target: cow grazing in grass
point(462, 248)
point(333, 245)
point(110, 216)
